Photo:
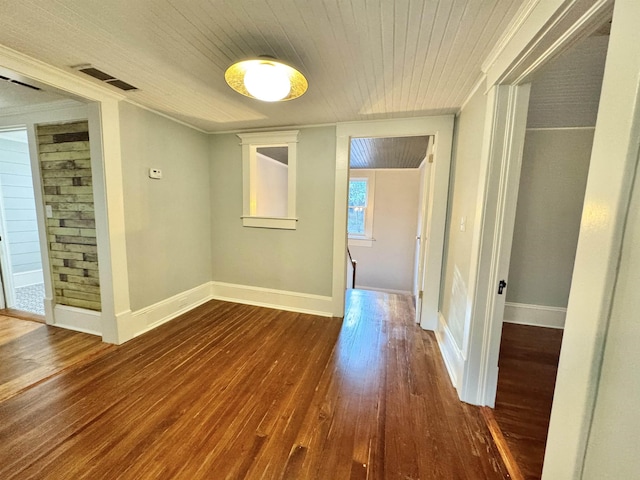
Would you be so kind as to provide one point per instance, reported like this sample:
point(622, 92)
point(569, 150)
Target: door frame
point(441, 128)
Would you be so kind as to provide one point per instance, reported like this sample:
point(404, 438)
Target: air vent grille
point(18, 82)
point(105, 77)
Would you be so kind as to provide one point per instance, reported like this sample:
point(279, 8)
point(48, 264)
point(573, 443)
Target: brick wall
point(65, 165)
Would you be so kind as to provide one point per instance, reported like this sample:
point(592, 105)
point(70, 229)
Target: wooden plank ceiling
point(364, 60)
point(398, 152)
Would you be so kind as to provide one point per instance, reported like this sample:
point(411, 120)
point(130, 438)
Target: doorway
point(20, 256)
point(386, 181)
point(561, 120)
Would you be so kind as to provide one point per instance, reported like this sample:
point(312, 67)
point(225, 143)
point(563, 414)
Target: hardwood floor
point(31, 352)
point(230, 391)
point(528, 367)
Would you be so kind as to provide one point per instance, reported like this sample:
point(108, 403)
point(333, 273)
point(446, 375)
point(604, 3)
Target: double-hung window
point(360, 208)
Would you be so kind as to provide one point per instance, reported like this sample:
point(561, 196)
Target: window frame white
point(366, 239)
point(250, 143)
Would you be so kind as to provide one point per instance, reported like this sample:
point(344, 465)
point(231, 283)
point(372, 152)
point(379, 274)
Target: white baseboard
point(451, 354)
point(150, 317)
point(536, 315)
point(24, 279)
point(78, 319)
point(384, 290)
point(270, 298)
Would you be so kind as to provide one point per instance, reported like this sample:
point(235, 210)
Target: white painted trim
point(263, 129)
point(535, 315)
point(369, 176)
point(282, 223)
point(441, 127)
point(78, 319)
point(148, 318)
point(501, 160)
point(384, 290)
point(451, 353)
point(613, 165)
point(270, 298)
point(24, 279)
point(482, 81)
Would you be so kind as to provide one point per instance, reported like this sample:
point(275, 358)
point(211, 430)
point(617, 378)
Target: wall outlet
point(155, 173)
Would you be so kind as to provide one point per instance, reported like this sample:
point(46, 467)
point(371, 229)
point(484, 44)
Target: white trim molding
point(534, 315)
point(451, 353)
point(385, 290)
point(78, 319)
point(270, 298)
point(148, 318)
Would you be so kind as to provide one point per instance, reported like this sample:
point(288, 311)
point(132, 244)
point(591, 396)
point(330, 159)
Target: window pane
point(355, 223)
point(357, 193)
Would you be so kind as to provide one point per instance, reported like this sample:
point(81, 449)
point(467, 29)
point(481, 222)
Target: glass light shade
point(266, 79)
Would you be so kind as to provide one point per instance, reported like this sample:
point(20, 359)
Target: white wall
point(389, 263)
point(297, 260)
point(553, 180)
point(19, 209)
point(462, 205)
point(271, 187)
point(168, 222)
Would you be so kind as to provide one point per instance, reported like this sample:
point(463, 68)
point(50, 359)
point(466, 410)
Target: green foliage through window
point(357, 207)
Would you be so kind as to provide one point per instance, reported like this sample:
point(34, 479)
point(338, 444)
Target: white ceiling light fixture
point(266, 79)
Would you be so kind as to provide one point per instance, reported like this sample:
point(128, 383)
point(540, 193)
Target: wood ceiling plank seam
point(221, 51)
point(414, 22)
point(320, 65)
point(481, 50)
point(365, 64)
point(347, 34)
point(373, 41)
point(401, 18)
point(444, 71)
point(428, 64)
point(419, 88)
point(344, 41)
point(296, 58)
point(456, 66)
point(440, 52)
point(388, 49)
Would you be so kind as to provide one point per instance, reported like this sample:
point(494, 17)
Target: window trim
point(250, 142)
point(365, 240)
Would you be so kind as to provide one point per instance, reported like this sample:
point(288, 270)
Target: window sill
point(282, 223)
point(360, 242)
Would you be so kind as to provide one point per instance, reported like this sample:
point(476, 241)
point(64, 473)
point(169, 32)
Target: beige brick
point(76, 190)
point(58, 292)
point(57, 181)
point(78, 207)
point(58, 198)
point(58, 165)
point(66, 214)
point(76, 240)
point(44, 139)
point(74, 127)
point(79, 287)
point(81, 172)
point(92, 273)
point(88, 232)
point(58, 262)
point(82, 164)
point(87, 214)
point(90, 257)
point(64, 147)
point(81, 264)
point(64, 231)
point(53, 222)
point(80, 223)
point(94, 297)
point(55, 156)
point(68, 271)
point(74, 248)
point(67, 255)
point(75, 302)
point(83, 280)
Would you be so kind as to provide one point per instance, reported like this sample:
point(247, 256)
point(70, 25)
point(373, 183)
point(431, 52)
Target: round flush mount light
point(266, 79)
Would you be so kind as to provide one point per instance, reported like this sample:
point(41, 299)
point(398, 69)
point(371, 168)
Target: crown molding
point(40, 107)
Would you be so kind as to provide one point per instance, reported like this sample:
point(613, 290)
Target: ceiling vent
point(18, 82)
point(104, 77)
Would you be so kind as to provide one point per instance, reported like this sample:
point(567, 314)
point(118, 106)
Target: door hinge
point(501, 286)
point(420, 292)
point(431, 158)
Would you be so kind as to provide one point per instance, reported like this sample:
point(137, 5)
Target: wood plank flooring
point(31, 352)
point(230, 391)
point(528, 366)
